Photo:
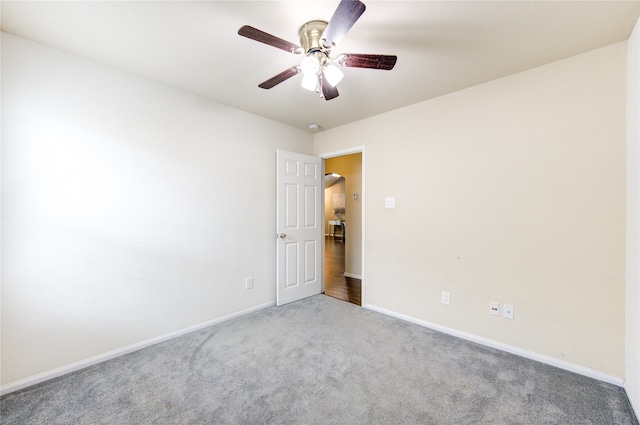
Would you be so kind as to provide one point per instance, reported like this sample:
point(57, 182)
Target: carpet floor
point(319, 361)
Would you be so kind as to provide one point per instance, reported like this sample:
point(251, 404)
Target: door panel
point(299, 226)
point(310, 255)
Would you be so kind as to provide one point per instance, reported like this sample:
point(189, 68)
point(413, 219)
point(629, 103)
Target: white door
point(300, 186)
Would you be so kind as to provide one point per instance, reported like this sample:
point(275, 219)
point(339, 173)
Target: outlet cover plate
point(494, 309)
point(507, 311)
point(390, 202)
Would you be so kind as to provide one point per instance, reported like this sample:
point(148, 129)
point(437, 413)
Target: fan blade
point(355, 60)
point(327, 91)
point(277, 79)
point(343, 18)
point(271, 40)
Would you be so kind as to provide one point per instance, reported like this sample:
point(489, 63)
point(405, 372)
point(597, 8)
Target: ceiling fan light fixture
point(333, 75)
point(317, 39)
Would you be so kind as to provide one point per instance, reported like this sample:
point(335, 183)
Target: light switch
point(390, 202)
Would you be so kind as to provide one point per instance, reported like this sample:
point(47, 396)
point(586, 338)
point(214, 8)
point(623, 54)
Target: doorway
point(343, 227)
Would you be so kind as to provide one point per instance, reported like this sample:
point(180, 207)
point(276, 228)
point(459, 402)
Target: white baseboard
point(571, 367)
point(63, 370)
point(353, 275)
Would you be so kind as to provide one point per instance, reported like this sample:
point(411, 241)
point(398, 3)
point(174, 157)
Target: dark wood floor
point(335, 283)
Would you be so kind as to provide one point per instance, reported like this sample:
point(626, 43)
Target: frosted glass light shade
point(309, 82)
point(333, 74)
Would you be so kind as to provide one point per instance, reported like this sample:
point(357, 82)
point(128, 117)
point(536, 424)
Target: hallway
point(336, 284)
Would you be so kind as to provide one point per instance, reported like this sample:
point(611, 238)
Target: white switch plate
point(390, 202)
point(445, 297)
point(494, 309)
point(248, 284)
point(507, 311)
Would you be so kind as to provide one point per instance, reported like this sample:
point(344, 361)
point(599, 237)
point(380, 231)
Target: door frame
point(334, 154)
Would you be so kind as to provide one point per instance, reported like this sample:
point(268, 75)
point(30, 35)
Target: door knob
point(282, 235)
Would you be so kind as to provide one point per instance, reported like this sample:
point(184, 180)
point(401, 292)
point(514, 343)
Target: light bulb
point(333, 74)
point(310, 65)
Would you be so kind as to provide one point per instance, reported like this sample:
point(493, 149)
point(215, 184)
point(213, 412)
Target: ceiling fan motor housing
point(310, 36)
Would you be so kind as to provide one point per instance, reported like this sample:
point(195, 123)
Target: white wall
point(511, 191)
point(633, 222)
point(130, 210)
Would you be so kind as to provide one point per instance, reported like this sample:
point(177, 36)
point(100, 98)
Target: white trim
point(352, 275)
point(326, 235)
point(363, 286)
point(571, 367)
point(63, 370)
point(342, 152)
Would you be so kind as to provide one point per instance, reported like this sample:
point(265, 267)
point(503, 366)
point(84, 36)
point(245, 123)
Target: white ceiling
point(442, 46)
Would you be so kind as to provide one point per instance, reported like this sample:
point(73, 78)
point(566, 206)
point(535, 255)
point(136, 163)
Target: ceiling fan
point(320, 73)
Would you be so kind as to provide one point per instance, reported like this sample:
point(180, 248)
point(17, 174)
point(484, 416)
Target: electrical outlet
point(507, 311)
point(494, 309)
point(248, 283)
point(445, 297)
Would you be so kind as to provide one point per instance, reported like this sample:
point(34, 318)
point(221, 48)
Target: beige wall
point(350, 166)
point(119, 222)
point(633, 222)
point(511, 191)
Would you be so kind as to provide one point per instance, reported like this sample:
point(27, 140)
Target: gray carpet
point(319, 361)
